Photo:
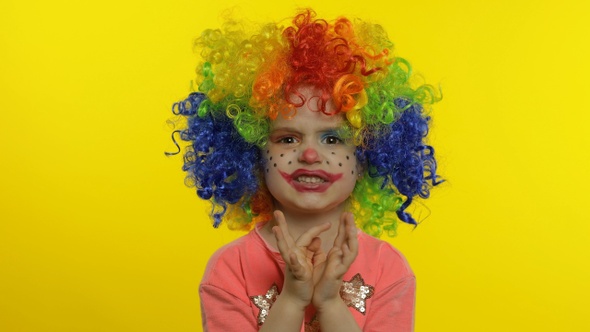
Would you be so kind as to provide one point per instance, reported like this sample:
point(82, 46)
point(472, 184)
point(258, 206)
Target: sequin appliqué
point(355, 293)
point(264, 302)
point(313, 325)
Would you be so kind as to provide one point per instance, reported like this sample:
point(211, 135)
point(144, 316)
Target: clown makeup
point(309, 164)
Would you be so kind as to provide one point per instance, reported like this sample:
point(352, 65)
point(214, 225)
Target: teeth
point(310, 179)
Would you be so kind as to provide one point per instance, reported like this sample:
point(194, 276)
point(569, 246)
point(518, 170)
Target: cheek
point(344, 162)
point(278, 160)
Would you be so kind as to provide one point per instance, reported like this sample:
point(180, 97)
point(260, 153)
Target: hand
point(329, 274)
point(299, 256)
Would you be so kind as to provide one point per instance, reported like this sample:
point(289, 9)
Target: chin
point(310, 205)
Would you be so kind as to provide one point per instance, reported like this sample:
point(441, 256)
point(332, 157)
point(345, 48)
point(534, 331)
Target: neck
point(300, 222)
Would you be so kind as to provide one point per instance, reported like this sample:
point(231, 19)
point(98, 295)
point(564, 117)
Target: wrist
point(284, 315)
point(334, 315)
point(292, 302)
point(330, 305)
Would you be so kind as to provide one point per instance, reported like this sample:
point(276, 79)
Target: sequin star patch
point(355, 293)
point(264, 302)
point(313, 325)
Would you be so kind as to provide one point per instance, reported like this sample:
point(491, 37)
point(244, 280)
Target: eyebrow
point(335, 129)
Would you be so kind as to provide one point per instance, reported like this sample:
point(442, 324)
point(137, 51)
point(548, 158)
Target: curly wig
point(243, 83)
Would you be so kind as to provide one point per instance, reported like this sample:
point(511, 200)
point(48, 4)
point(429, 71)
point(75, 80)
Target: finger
point(318, 255)
point(351, 234)
point(319, 258)
point(348, 256)
point(295, 266)
point(341, 231)
point(334, 253)
point(282, 223)
point(335, 267)
point(334, 259)
point(350, 248)
point(281, 243)
point(315, 245)
point(305, 239)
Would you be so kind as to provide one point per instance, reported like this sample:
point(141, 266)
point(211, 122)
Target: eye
point(287, 140)
point(331, 139)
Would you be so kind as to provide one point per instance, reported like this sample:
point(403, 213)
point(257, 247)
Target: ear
point(360, 170)
point(361, 163)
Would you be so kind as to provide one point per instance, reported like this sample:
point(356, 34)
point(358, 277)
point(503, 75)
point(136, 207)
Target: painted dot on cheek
point(333, 152)
point(327, 162)
point(282, 154)
point(289, 162)
point(271, 158)
point(347, 158)
point(340, 164)
point(275, 165)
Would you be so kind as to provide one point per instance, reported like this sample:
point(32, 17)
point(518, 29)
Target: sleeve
point(393, 307)
point(221, 311)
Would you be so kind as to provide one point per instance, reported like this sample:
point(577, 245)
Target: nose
point(310, 156)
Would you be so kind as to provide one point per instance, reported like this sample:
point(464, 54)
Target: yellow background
point(98, 233)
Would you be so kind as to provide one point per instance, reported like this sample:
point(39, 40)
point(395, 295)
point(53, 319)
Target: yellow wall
point(98, 233)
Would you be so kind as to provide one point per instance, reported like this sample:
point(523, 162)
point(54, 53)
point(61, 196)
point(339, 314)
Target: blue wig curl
point(401, 158)
point(219, 162)
point(243, 84)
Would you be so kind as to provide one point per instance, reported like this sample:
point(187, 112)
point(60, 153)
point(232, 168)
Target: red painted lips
point(310, 181)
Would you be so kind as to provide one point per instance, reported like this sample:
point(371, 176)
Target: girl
point(301, 134)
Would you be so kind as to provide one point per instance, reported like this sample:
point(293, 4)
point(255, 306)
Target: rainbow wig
point(243, 83)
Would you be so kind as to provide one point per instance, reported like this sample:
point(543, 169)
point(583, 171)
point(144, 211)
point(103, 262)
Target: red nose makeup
point(309, 155)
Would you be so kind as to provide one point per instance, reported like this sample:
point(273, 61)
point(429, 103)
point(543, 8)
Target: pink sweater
point(244, 278)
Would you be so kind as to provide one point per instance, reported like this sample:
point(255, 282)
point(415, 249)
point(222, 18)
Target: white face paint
point(309, 166)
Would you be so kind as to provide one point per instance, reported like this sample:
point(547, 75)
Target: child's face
point(309, 166)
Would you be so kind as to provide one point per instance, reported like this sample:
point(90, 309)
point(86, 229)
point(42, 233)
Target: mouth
point(310, 181)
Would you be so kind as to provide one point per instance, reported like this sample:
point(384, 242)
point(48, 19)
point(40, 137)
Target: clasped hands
point(311, 275)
